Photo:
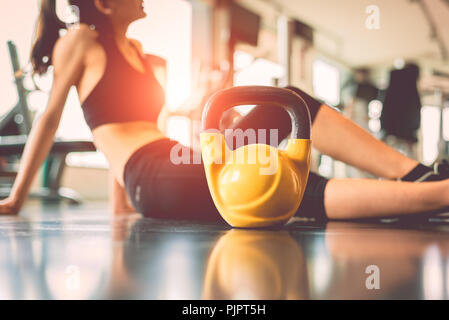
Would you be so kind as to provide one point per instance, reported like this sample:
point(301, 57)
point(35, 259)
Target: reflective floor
point(82, 253)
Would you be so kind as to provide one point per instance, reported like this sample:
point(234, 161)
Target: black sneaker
point(442, 169)
point(423, 173)
point(420, 173)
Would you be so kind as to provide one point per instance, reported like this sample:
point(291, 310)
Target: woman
point(121, 100)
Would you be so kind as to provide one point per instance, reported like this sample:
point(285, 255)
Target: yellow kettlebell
point(256, 185)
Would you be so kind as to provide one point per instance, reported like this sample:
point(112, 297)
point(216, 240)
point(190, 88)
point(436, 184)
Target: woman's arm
point(119, 200)
point(68, 62)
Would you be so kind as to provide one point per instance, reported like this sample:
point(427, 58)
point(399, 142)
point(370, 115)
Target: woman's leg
point(334, 135)
point(343, 140)
point(340, 138)
point(364, 198)
point(161, 189)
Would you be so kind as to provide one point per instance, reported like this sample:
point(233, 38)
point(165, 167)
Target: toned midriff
point(118, 141)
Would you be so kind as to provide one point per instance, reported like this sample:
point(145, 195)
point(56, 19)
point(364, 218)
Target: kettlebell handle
point(259, 95)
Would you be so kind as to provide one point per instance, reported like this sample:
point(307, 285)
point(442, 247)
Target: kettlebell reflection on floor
point(249, 264)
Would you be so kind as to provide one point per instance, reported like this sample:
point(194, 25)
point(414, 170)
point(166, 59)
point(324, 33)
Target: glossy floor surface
point(61, 252)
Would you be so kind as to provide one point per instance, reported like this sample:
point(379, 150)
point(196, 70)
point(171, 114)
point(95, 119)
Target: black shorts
point(161, 189)
point(158, 188)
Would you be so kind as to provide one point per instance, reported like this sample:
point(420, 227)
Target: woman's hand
point(8, 207)
point(119, 200)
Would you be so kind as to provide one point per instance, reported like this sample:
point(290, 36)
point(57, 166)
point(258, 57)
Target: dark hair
point(49, 25)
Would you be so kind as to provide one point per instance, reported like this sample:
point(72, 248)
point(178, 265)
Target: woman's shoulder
point(136, 43)
point(154, 60)
point(81, 35)
point(75, 43)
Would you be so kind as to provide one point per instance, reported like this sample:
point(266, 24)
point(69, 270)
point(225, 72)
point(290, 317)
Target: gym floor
point(80, 252)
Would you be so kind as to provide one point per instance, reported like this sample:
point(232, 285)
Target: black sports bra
point(123, 94)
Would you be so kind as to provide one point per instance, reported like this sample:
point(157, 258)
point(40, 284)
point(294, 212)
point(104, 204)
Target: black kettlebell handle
point(259, 95)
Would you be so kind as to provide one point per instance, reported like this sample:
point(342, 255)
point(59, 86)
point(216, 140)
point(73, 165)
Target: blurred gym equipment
point(435, 89)
point(361, 91)
point(401, 112)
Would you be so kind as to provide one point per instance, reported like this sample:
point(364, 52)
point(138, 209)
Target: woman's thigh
point(176, 191)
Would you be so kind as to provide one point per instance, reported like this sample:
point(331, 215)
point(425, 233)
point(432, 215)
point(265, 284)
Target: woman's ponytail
point(47, 33)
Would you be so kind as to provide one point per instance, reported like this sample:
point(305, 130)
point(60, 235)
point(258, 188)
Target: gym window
point(326, 82)
point(251, 71)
